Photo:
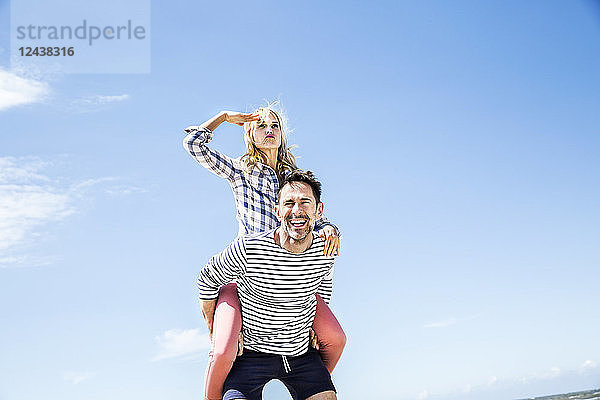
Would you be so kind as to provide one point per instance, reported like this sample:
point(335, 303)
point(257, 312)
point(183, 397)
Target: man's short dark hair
point(302, 176)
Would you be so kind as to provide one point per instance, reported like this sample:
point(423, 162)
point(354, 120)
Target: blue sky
point(458, 146)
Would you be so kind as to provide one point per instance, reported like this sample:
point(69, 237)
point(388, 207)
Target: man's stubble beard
point(309, 228)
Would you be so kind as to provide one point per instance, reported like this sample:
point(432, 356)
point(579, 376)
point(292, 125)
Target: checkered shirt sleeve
point(219, 164)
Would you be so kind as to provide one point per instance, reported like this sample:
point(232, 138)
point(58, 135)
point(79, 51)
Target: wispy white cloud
point(513, 386)
point(444, 323)
point(181, 344)
point(124, 190)
point(553, 373)
point(118, 189)
point(30, 200)
point(26, 260)
point(76, 377)
point(548, 374)
point(81, 186)
point(99, 99)
point(96, 102)
point(588, 366)
point(441, 324)
point(22, 170)
point(16, 89)
point(111, 99)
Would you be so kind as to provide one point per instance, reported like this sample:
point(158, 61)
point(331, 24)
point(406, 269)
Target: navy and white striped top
point(276, 289)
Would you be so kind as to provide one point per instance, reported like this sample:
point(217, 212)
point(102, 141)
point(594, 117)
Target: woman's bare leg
point(226, 330)
point(332, 338)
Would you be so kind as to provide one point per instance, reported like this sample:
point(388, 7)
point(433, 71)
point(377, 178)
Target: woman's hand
point(332, 241)
point(314, 340)
point(239, 118)
point(240, 344)
point(232, 117)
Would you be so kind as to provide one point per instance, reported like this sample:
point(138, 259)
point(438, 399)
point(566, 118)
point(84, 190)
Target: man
point(278, 273)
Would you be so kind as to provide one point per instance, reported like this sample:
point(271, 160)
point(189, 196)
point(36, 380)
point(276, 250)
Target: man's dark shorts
point(303, 375)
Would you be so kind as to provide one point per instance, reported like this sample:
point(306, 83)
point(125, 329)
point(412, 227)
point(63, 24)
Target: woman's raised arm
point(199, 135)
point(233, 117)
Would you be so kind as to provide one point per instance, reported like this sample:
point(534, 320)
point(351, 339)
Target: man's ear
point(320, 208)
point(277, 212)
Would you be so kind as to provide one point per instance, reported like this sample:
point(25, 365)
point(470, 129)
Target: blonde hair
point(286, 162)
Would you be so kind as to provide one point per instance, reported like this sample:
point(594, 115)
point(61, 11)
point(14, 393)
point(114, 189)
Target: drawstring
point(286, 365)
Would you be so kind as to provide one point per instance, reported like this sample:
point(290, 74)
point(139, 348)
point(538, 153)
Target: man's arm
point(325, 289)
point(220, 270)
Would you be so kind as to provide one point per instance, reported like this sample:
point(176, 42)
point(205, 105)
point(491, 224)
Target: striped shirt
point(276, 289)
point(255, 192)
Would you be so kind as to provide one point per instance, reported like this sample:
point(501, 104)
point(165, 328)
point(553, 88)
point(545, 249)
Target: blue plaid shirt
point(255, 192)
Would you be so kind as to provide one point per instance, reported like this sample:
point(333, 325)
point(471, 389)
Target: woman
point(254, 179)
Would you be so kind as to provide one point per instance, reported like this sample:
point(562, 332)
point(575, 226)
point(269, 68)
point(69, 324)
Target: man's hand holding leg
point(208, 311)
